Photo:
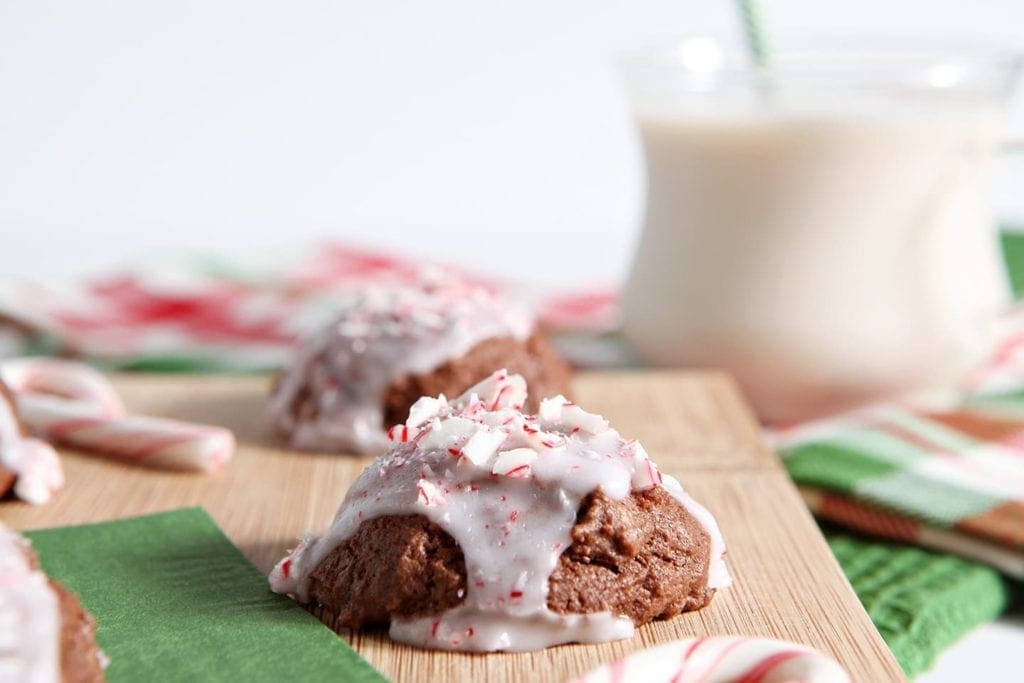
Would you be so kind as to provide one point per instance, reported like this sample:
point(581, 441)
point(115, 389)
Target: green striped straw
point(757, 45)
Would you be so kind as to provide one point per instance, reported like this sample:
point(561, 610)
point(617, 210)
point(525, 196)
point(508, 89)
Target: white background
point(474, 130)
point(484, 132)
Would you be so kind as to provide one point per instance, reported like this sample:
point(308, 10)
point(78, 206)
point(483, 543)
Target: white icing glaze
point(29, 617)
point(507, 487)
point(34, 462)
point(381, 336)
point(721, 659)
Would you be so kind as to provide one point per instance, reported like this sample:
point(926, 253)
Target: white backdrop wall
point(477, 131)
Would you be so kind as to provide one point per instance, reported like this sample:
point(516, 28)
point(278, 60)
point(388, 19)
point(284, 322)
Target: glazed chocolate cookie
point(644, 557)
point(361, 373)
point(47, 633)
point(485, 528)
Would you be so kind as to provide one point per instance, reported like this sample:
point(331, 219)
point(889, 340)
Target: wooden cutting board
point(695, 425)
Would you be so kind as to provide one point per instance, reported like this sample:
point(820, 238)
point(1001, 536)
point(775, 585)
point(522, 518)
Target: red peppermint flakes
point(430, 495)
point(401, 433)
point(521, 472)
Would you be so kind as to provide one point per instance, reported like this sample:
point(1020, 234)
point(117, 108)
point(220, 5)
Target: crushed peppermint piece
point(550, 412)
point(430, 494)
point(452, 432)
point(402, 433)
point(575, 417)
point(482, 446)
point(425, 409)
point(514, 463)
point(500, 390)
point(646, 476)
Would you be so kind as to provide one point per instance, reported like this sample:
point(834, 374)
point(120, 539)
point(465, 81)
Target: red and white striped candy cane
point(64, 378)
point(81, 409)
point(722, 659)
point(148, 440)
point(34, 464)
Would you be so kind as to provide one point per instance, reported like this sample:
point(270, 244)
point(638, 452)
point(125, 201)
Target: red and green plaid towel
point(951, 480)
point(203, 315)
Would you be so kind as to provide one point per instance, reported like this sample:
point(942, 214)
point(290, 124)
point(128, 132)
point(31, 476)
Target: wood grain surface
point(695, 425)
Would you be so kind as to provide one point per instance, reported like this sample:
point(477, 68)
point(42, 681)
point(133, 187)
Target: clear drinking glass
point(821, 229)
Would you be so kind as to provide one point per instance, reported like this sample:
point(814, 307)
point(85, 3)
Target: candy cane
point(61, 378)
point(34, 464)
point(149, 440)
point(722, 659)
point(73, 404)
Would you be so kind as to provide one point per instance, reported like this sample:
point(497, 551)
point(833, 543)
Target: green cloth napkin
point(176, 601)
point(921, 602)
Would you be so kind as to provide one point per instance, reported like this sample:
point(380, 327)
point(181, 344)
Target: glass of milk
point(820, 229)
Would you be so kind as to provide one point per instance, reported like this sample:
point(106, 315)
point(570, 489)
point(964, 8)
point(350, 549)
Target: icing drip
point(34, 463)
point(506, 486)
point(721, 659)
point(383, 335)
point(29, 616)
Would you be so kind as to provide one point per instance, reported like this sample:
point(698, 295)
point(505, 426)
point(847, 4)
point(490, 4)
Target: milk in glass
point(826, 250)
